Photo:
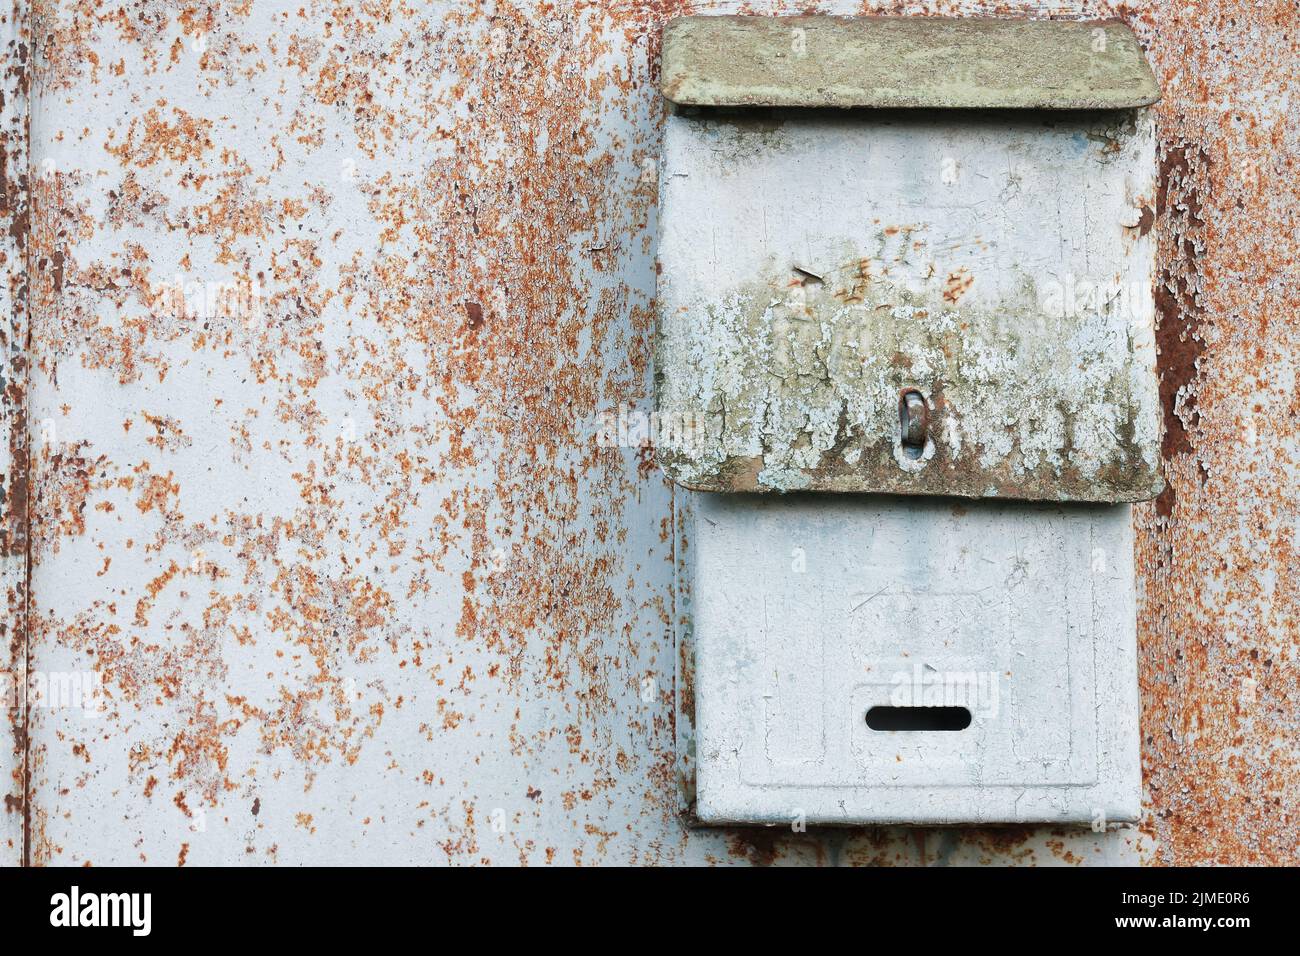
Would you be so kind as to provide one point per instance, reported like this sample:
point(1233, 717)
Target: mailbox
point(905, 373)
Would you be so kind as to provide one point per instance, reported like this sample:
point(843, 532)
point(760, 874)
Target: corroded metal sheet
point(15, 47)
point(330, 304)
point(360, 578)
point(815, 269)
point(932, 62)
point(1219, 551)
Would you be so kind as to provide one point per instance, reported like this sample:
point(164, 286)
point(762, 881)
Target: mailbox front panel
point(816, 266)
point(814, 614)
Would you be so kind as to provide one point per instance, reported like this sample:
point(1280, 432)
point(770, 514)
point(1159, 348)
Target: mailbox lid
point(933, 62)
point(815, 265)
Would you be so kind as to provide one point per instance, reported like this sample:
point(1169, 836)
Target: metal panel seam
point(15, 563)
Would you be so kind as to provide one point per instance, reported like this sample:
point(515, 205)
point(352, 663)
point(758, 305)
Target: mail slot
point(905, 347)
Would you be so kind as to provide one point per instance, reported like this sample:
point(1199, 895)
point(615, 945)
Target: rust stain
point(1218, 705)
point(1178, 309)
point(473, 314)
point(956, 285)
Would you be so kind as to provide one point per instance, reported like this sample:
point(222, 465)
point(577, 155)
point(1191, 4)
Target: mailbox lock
point(914, 421)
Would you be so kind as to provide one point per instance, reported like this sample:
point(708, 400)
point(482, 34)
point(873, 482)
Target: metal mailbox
point(905, 273)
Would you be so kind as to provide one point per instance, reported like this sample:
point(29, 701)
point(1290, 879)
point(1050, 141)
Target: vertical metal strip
point(684, 644)
point(14, 329)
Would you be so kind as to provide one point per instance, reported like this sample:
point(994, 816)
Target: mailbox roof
point(900, 62)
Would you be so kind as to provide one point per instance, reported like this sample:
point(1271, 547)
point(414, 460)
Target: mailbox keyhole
point(914, 421)
point(918, 718)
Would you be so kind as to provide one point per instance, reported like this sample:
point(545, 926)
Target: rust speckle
point(957, 285)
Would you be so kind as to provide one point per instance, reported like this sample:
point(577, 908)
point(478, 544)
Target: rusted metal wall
point(326, 559)
point(14, 229)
